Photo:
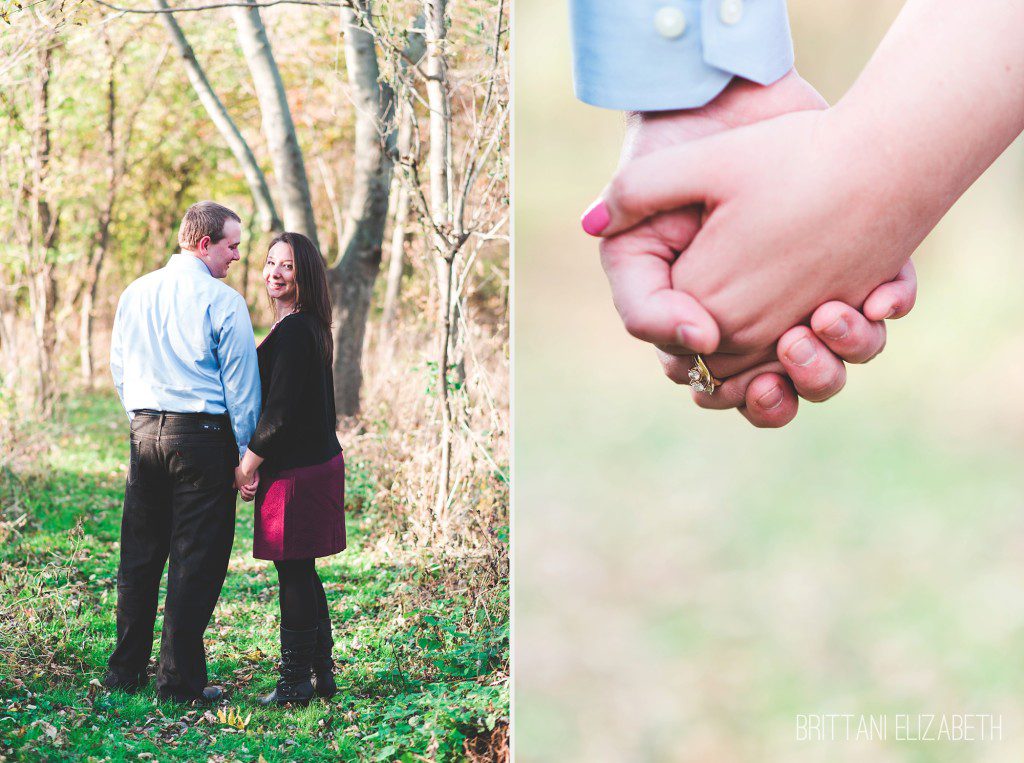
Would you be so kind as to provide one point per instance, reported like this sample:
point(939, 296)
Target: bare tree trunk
point(85, 338)
point(352, 278)
point(45, 225)
point(265, 209)
point(102, 236)
point(10, 369)
point(247, 262)
point(278, 127)
point(336, 213)
point(440, 210)
point(416, 48)
point(399, 232)
point(116, 146)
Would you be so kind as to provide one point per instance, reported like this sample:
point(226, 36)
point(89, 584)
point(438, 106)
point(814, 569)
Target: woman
point(300, 487)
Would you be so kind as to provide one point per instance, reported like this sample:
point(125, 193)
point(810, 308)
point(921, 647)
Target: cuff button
point(731, 11)
point(670, 22)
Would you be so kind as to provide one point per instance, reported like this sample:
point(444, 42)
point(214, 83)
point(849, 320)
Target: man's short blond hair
point(204, 218)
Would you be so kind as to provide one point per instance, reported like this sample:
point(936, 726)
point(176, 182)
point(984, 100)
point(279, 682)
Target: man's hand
point(808, 358)
point(246, 483)
point(638, 264)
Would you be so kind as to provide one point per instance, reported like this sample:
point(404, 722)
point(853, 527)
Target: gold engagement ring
point(700, 377)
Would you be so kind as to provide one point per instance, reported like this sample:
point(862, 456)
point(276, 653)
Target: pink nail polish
point(596, 218)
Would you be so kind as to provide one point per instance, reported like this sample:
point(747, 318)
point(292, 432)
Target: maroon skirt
point(300, 513)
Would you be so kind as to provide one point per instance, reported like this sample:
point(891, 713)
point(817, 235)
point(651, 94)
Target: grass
point(422, 640)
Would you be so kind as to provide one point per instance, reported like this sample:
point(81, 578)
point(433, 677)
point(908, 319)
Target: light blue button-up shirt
point(183, 343)
point(623, 58)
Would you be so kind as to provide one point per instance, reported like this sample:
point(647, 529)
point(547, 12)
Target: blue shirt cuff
point(623, 59)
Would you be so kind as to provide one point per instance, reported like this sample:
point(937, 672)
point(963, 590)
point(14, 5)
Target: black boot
point(295, 667)
point(323, 665)
point(126, 683)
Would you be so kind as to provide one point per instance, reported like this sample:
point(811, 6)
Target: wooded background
point(375, 128)
point(379, 128)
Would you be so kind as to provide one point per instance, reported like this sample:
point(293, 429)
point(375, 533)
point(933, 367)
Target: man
point(183, 358)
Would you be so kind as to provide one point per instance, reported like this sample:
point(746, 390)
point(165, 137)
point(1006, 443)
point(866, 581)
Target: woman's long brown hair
point(312, 295)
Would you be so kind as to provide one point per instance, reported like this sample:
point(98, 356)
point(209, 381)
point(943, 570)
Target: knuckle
point(610, 251)
point(627, 191)
point(749, 339)
point(823, 387)
point(772, 420)
point(676, 369)
point(827, 313)
point(874, 352)
point(636, 325)
point(705, 401)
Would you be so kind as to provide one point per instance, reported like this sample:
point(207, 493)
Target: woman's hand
point(246, 482)
point(638, 265)
point(795, 219)
point(763, 391)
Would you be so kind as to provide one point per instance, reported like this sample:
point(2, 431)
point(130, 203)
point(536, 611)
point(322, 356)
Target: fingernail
point(891, 312)
point(837, 329)
point(802, 353)
point(689, 336)
point(596, 218)
point(771, 399)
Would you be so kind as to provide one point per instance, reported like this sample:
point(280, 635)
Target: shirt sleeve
point(653, 55)
point(117, 355)
point(239, 371)
point(293, 349)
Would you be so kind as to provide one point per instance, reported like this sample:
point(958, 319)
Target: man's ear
point(204, 243)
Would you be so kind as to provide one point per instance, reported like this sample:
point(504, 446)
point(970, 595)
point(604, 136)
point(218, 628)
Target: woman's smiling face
point(279, 273)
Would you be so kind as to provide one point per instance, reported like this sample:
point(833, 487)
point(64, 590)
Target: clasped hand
point(743, 232)
point(246, 483)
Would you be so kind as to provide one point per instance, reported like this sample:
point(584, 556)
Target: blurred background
point(686, 584)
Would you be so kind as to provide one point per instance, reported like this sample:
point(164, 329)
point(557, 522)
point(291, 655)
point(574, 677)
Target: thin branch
point(267, 4)
point(479, 160)
point(413, 166)
point(133, 115)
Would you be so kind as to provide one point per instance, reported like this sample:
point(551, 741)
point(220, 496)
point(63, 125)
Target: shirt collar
point(190, 261)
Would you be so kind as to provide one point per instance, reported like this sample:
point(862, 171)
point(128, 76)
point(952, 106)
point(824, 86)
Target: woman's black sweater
point(297, 421)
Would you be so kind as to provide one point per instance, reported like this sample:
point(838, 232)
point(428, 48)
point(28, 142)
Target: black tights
point(303, 600)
